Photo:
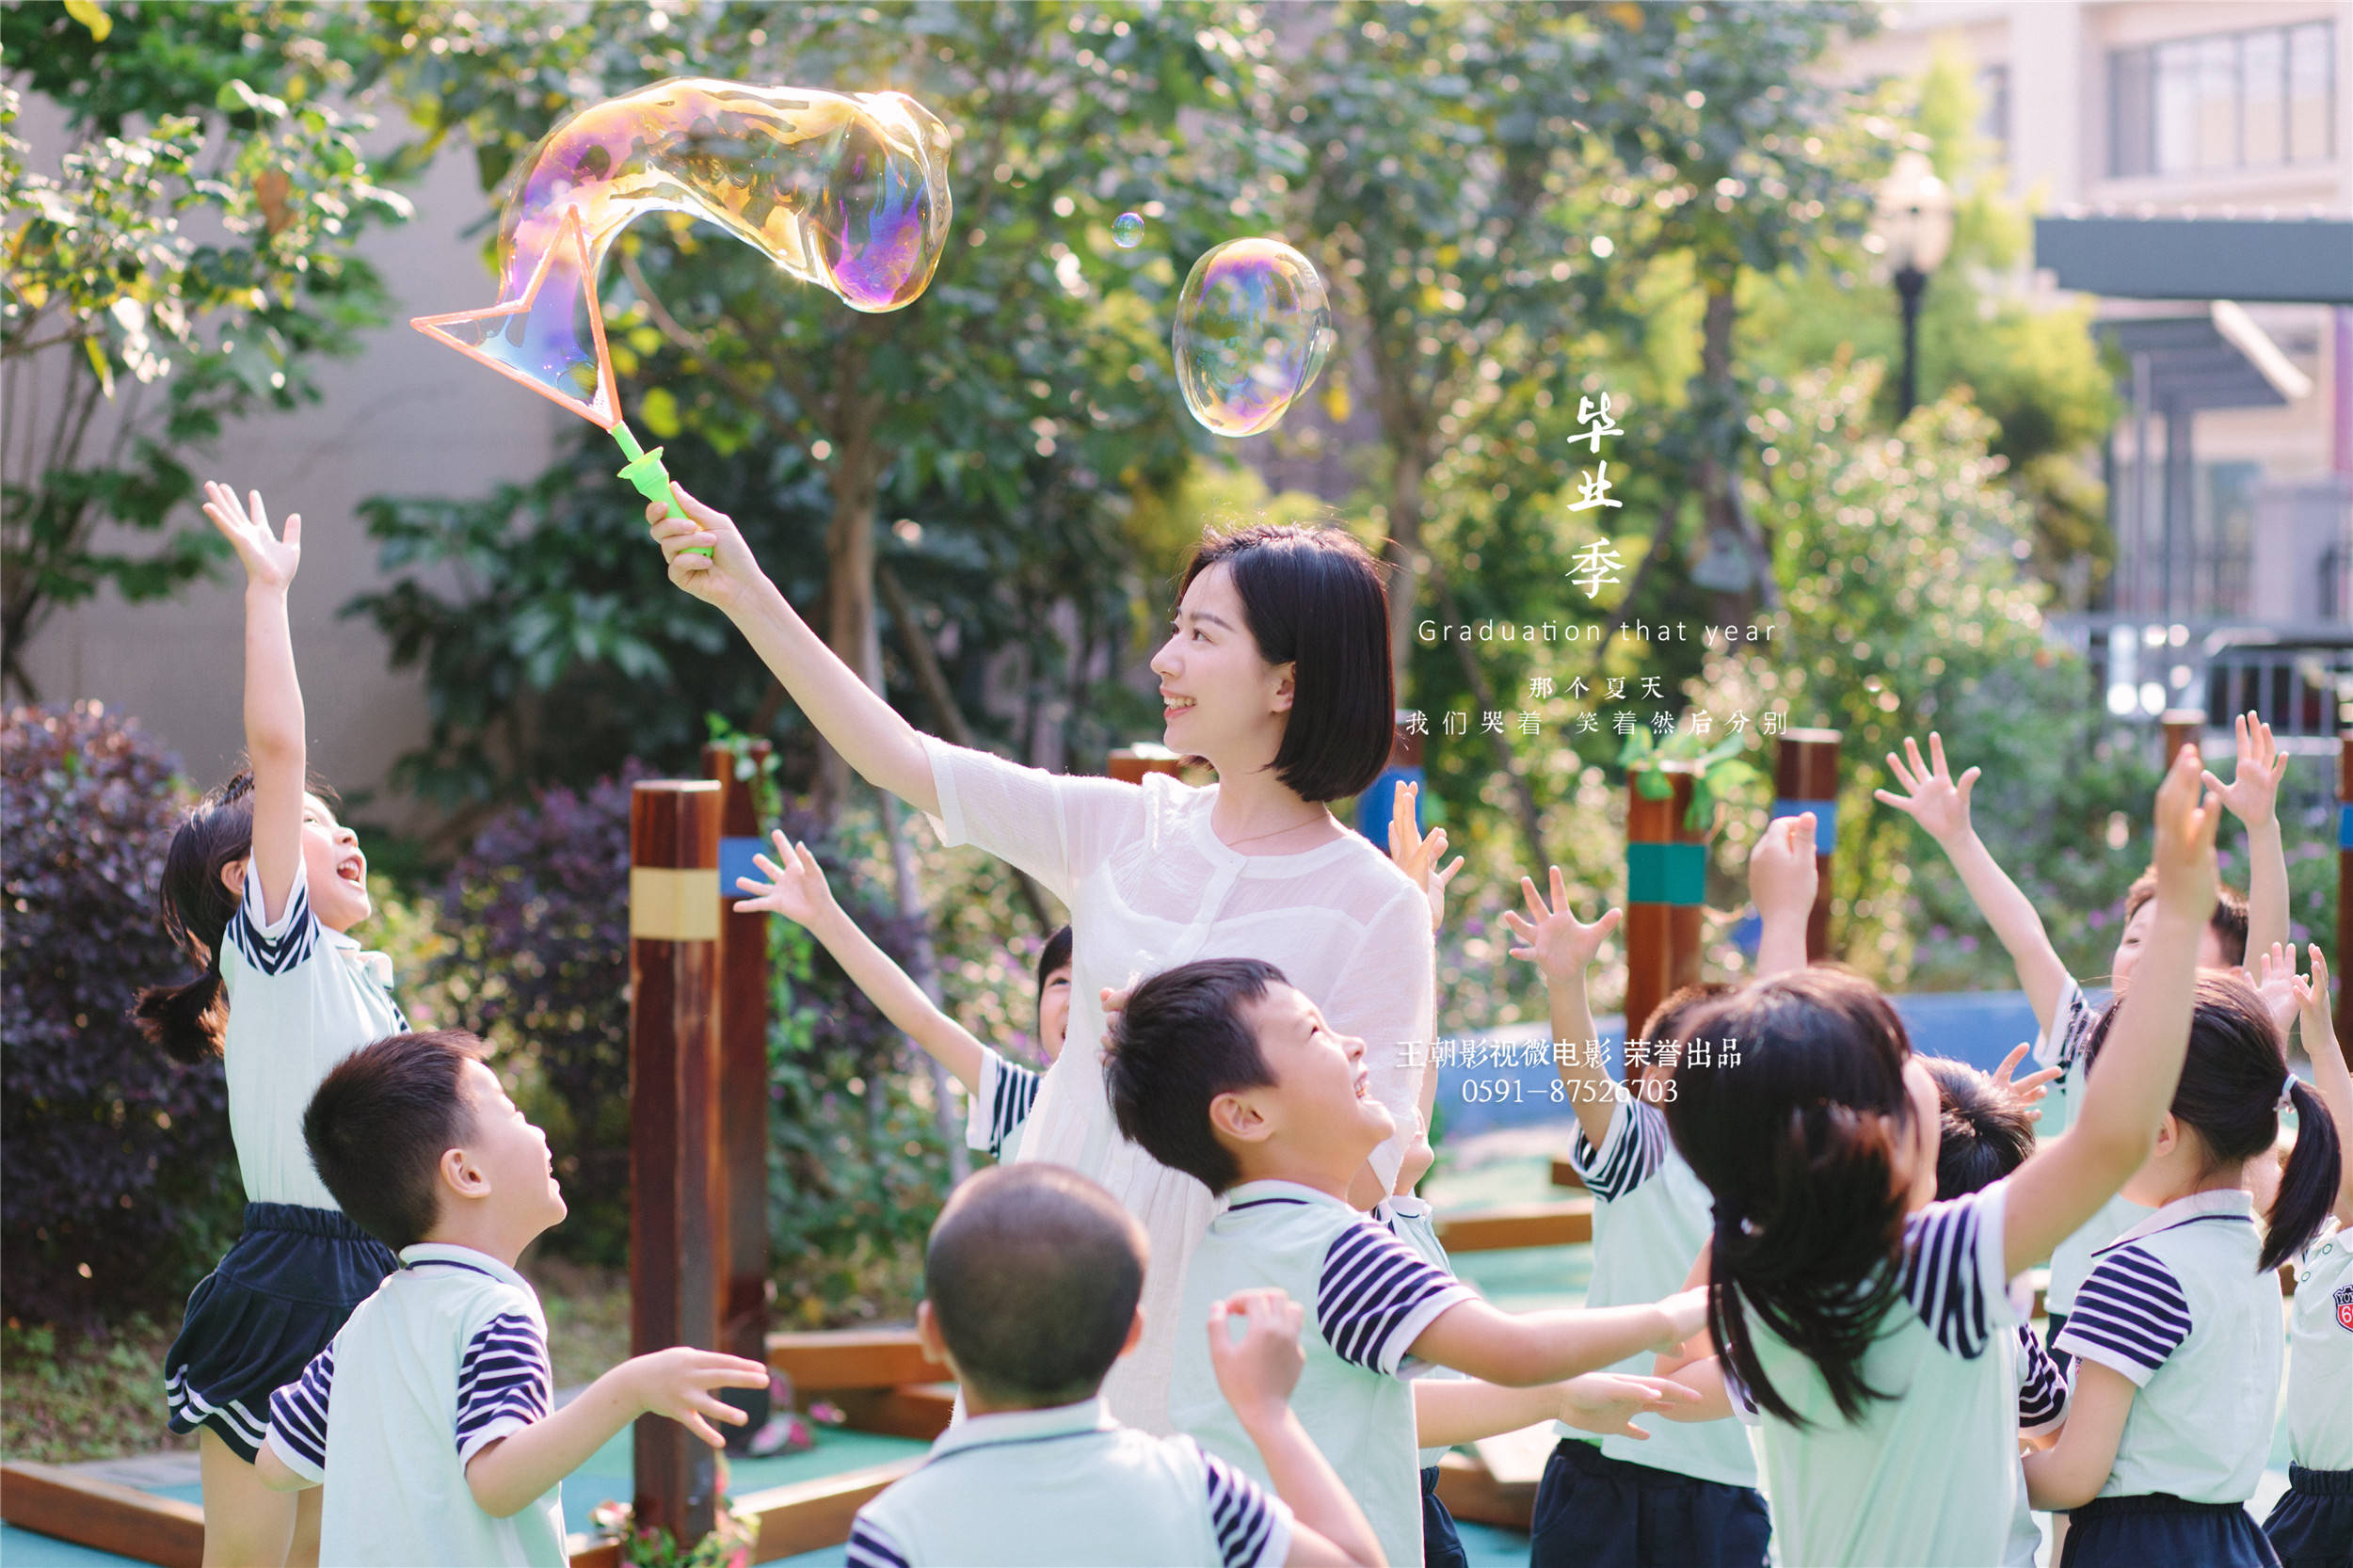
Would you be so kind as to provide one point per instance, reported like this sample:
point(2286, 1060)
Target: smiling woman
point(1276, 673)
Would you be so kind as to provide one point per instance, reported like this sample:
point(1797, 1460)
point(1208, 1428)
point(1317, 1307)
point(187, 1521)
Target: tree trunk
point(850, 626)
point(1401, 551)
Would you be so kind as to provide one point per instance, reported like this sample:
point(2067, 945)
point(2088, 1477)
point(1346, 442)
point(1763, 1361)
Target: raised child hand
point(795, 888)
point(1257, 1371)
point(2253, 793)
point(722, 578)
point(1783, 875)
point(2275, 982)
point(269, 561)
point(2318, 1029)
point(678, 1382)
point(2027, 1090)
point(2184, 857)
point(1607, 1402)
point(1932, 797)
point(1558, 943)
point(1417, 856)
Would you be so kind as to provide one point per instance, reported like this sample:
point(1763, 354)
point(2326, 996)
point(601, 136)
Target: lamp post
point(1914, 224)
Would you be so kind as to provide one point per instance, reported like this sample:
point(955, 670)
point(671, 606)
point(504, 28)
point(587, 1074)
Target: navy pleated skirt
point(2312, 1524)
point(2158, 1527)
point(278, 1296)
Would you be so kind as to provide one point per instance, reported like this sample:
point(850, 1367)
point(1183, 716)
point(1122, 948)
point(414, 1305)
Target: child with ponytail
point(261, 884)
point(1865, 1327)
point(2176, 1332)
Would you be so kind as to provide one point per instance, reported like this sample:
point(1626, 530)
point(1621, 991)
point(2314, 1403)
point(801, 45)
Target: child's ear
point(1135, 1332)
point(1236, 1115)
point(934, 1343)
point(233, 877)
point(463, 1176)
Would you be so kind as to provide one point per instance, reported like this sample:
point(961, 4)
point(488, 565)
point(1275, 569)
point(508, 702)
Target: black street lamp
point(1914, 224)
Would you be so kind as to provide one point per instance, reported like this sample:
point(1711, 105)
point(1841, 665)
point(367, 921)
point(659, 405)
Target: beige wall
point(405, 417)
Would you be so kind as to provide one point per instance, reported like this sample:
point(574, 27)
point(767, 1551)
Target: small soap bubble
point(1128, 231)
point(1254, 327)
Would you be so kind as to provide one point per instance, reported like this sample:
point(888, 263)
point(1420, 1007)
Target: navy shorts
point(275, 1300)
point(1595, 1511)
point(1441, 1547)
point(2312, 1524)
point(2158, 1527)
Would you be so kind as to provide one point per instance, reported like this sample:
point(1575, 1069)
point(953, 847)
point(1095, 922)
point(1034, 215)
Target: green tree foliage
point(187, 266)
point(982, 443)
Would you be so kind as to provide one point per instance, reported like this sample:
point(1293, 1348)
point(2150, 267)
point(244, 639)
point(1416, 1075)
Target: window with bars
point(2249, 100)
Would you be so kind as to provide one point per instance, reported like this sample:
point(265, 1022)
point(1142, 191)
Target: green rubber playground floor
point(1519, 1280)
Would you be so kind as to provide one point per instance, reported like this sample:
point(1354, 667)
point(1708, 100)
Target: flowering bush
point(120, 1185)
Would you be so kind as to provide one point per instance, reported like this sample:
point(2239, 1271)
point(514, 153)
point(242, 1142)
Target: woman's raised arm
point(854, 719)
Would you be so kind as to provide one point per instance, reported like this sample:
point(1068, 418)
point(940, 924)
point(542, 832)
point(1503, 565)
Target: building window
point(1994, 108)
point(2230, 101)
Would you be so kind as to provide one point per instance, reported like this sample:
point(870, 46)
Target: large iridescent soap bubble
point(1253, 328)
point(848, 191)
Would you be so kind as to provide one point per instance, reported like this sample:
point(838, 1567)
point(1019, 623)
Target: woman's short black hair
point(1179, 1043)
point(1054, 955)
point(380, 1121)
point(1313, 599)
point(1034, 1273)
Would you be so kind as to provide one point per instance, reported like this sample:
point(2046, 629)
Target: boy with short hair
point(426, 1417)
point(1221, 1069)
point(1031, 1283)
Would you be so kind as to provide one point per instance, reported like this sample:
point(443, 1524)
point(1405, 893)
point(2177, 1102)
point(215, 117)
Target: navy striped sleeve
point(1248, 1522)
point(1009, 1106)
point(871, 1548)
point(297, 1417)
point(1945, 1272)
point(2130, 1313)
point(1375, 1296)
point(503, 1381)
point(1632, 1149)
point(298, 929)
point(2042, 1387)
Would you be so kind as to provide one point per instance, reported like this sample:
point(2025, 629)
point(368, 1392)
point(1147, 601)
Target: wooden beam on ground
point(853, 1358)
point(103, 1515)
point(1469, 1492)
point(1564, 1174)
point(913, 1409)
point(1559, 1223)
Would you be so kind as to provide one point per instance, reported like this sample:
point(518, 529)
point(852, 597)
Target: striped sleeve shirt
point(1001, 1103)
point(297, 1417)
point(870, 1546)
point(1375, 1296)
point(1941, 1277)
point(503, 1382)
point(2043, 1390)
point(2130, 1313)
point(1632, 1149)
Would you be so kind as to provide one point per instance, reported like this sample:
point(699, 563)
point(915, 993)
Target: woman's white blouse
point(1149, 887)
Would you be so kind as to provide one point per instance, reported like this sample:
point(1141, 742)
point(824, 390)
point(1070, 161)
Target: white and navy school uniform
point(998, 1106)
point(301, 997)
point(2061, 1046)
point(1367, 1299)
point(1069, 1485)
point(2312, 1525)
point(449, 1356)
point(2178, 1306)
point(1410, 1220)
point(2043, 1395)
point(1928, 1477)
point(1688, 1494)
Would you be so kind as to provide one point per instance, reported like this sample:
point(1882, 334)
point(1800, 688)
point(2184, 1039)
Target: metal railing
point(2298, 677)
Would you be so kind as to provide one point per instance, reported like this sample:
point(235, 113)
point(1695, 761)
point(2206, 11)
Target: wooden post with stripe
point(1806, 778)
point(742, 1259)
point(2343, 975)
point(1665, 875)
point(2180, 727)
point(674, 1210)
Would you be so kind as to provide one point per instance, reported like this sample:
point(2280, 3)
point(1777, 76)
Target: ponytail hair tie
point(2287, 1094)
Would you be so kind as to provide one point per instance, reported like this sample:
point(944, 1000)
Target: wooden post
point(674, 1098)
point(741, 1258)
point(1130, 764)
point(1665, 875)
point(2343, 975)
point(2181, 726)
point(1806, 778)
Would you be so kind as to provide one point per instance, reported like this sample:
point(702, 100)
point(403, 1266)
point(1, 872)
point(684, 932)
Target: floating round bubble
point(848, 191)
point(1128, 231)
point(1253, 328)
